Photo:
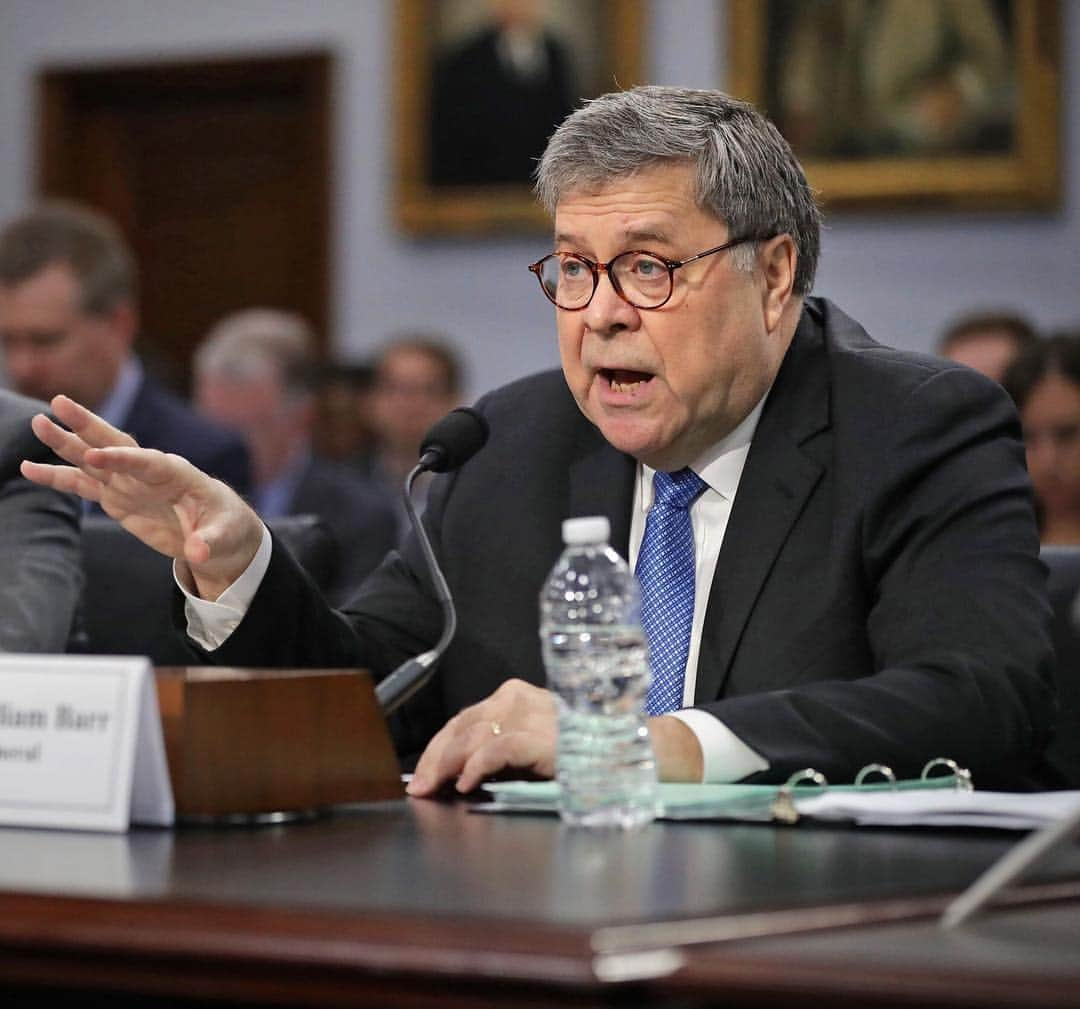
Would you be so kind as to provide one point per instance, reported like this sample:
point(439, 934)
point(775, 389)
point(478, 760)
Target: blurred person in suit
point(255, 373)
point(987, 341)
point(418, 378)
point(1044, 382)
point(40, 570)
point(68, 322)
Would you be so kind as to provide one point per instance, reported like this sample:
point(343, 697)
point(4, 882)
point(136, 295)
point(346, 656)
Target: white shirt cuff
point(726, 757)
point(209, 624)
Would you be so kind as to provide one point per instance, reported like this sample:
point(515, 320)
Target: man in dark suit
point(68, 320)
point(255, 374)
point(866, 579)
point(39, 542)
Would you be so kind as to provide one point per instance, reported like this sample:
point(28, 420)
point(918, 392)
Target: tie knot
point(677, 490)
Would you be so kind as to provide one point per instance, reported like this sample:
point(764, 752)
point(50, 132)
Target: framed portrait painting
point(481, 85)
point(909, 102)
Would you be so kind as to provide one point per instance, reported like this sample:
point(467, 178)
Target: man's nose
point(608, 313)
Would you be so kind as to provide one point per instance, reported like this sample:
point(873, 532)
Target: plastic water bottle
point(597, 664)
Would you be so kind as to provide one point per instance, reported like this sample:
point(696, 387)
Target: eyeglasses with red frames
point(642, 279)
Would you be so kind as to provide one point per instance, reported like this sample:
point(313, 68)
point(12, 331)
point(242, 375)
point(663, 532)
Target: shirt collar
point(721, 465)
point(116, 406)
point(274, 498)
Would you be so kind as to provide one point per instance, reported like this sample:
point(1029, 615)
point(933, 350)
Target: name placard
point(80, 744)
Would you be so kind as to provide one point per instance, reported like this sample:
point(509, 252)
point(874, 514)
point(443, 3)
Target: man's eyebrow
point(647, 235)
point(634, 237)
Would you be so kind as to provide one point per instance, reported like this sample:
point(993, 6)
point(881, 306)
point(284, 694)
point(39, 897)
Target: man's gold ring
point(496, 727)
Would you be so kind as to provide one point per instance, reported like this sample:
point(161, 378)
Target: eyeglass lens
point(641, 278)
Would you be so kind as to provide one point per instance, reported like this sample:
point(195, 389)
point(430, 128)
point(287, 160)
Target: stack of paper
point(1003, 810)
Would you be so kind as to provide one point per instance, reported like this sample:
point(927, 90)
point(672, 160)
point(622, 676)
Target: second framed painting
point(481, 85)
point(908, 102)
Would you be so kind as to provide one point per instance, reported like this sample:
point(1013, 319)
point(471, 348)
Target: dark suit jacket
point(878, 596)
point(359, 516)
point(40, 571)
point(158, 419)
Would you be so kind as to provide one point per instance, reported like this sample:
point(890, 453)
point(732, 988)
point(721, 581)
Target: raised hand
point(158, 497)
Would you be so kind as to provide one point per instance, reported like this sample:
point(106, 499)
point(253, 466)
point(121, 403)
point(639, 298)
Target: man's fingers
point(160, 498)
point(426, 777)
point(96, 432)
point(67, 445)
point(63, 478)
point(525, 751)
point(462, 746)
point(444, 757)
point(146, 465)
point(515, 727)
point(474, 749)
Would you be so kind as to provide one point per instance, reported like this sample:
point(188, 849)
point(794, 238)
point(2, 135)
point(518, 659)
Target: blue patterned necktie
point(665, 568)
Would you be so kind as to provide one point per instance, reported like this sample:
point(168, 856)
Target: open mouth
point(624, 380)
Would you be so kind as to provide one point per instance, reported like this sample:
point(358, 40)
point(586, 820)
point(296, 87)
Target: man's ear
point(777, 258)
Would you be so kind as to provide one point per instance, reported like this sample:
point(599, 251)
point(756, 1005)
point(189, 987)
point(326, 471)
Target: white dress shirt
point(726, 757)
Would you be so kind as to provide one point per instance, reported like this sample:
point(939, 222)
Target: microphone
point(450, 443)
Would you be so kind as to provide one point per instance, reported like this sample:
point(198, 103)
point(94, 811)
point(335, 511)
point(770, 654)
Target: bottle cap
point(594, 529)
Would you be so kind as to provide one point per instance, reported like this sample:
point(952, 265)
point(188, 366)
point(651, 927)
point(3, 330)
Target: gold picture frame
point(461, 186)
point(901, 135)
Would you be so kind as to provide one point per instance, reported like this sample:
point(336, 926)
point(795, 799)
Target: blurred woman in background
point(1044, 382)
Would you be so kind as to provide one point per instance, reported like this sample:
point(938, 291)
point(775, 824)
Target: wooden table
point(416, 903)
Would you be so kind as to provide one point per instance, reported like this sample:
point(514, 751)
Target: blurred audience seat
point(127, 599)
point(1063, 587)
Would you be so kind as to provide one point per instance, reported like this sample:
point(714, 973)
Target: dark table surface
point(428, 888)
point(426, 857)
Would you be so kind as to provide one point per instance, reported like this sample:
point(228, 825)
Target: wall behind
point(903, 275)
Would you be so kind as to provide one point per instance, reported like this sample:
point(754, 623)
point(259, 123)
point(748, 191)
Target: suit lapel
point(777, 480)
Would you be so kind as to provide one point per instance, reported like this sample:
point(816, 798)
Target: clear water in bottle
point(597, 664)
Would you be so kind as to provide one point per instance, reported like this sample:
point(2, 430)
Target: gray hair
point(747, 174)
point(256, 342)
point(88, 242)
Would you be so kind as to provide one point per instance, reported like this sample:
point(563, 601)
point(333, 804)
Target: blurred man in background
point(68, 322)
point(255, 373)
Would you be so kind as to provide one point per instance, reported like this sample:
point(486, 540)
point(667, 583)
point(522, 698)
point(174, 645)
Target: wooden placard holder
point(256, 743)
